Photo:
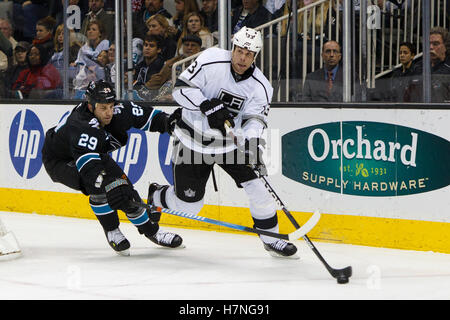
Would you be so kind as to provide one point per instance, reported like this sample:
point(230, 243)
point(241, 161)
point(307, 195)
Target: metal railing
point(400, 25)
point(321, 21)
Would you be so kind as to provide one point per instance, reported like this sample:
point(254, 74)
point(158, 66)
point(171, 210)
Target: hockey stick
point(341, 275)
point(300, 232)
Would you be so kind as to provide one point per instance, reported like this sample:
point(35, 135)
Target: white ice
point(69, 258)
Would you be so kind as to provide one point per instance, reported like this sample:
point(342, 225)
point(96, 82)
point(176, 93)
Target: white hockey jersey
point(208, 77)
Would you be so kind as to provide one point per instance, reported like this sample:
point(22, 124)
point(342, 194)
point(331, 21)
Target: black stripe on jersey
point(267, 96)
point(206, 64)
point(180, 83)
point(198, 136)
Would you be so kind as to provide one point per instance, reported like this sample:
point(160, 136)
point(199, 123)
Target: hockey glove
point(217, 114)
point(119, 194)
point(172, 120)
point(253, 151)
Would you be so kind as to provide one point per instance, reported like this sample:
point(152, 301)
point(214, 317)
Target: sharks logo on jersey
point(233, 101)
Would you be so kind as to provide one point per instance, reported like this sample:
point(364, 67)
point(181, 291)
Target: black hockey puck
point(342, 279)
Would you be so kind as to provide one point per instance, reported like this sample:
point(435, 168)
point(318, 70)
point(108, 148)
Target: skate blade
point(10, 255)
point(181, 246)
point(295, 256)
point(125, 253)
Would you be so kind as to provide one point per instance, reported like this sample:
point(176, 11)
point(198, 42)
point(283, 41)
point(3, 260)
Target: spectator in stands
point(161, 82)
point(194, 25)
point(440, 70)
point(159, 26)
point(152, 62)
point(325, 84)
point(210, 15)
point(6, 29)
point(151, 8)
point(97, 13)
point(57, 58)
point(251, 14)
point(182, 7)
point(402, 76)
point(40, 79)
point(26, 14)
point(13, 71)
point(311, 30)
point(5, 46)
point(58, 41)
point(44, 34)
point(87, 56)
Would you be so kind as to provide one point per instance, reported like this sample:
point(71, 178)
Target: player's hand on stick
point(119, 193)
point(253, 153)
point(217, 114)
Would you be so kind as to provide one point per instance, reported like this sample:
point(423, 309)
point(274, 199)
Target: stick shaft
point(212, 221)
point(334, 272)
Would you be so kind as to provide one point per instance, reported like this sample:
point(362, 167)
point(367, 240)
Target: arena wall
point(379, 176)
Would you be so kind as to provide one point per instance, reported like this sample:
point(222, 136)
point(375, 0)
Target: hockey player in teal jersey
point(75, 153)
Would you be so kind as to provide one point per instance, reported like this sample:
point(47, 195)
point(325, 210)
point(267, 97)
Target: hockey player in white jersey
point(221, 86)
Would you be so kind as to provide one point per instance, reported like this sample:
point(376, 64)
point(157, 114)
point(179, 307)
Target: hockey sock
point(270, 224)
point(107, 217)
point(139, 218)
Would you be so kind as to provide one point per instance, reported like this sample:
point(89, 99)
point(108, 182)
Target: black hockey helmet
point(100, 92)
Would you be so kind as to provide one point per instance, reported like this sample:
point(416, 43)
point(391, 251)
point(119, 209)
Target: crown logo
point(189, 193)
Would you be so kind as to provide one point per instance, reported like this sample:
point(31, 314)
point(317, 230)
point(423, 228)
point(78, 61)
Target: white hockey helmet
point(249, 39)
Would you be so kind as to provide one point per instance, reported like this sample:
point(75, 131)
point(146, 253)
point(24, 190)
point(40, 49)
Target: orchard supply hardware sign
point(371, 158)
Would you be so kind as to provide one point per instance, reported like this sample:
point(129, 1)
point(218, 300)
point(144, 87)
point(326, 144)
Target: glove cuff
point(210, 106)
point(116, 183)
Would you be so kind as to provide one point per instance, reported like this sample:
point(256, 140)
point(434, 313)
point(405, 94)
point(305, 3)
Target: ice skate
point(281, 249)
point(167, 239)
point(118, 242)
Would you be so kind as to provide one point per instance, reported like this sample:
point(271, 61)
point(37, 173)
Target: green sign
point(366, 158)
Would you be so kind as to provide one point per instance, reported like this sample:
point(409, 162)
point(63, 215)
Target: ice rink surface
point(67, 258)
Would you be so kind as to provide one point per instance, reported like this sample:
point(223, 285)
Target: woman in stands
point(87, 56)
point(44, 34)
point(195, 25)
point(57, 58)
point(182, 7)
point(41, 79)
point(159, 26)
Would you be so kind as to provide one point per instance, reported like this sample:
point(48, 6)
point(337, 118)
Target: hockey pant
point(189, 189)
point(67, 174)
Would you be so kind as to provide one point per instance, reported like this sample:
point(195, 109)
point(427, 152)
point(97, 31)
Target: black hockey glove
point(172, 120)
point(253, 151)
point(217, 114)
point(119, 193)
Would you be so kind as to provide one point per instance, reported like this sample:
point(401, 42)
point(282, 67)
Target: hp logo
point(26, 138)
point(164, 154)
point(132, 158)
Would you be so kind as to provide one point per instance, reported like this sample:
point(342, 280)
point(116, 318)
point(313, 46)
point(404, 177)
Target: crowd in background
point(32, 59)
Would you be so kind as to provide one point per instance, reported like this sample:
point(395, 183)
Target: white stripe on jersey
point(208, 77)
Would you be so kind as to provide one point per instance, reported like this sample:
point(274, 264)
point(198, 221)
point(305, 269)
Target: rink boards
point(379, 176)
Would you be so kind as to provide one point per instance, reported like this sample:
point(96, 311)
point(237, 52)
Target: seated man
point(325, 84)
point(152, 62)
